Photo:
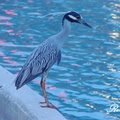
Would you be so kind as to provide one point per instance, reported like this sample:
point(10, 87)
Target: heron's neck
point(63, 34)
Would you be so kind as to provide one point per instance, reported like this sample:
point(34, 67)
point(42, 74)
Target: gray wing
point(41, 59)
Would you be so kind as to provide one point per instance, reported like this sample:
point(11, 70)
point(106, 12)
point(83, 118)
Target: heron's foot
point(45, 102)
point(42, 102)
point(48, 104)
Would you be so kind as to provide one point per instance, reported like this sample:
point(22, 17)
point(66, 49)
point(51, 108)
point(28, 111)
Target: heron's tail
point(24, 77)
point(18, 79)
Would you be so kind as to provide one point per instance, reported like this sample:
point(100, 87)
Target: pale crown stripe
point(72, 17)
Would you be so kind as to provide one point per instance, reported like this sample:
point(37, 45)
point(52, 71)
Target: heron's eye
point(78, 17)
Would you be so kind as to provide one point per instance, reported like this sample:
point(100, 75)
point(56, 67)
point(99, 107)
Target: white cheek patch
point(72, 17)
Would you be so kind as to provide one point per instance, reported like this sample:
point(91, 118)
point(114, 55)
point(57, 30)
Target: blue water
point(87, 81)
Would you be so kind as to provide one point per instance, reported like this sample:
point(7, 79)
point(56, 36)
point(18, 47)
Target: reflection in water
point(87, 80)
point(115, 35)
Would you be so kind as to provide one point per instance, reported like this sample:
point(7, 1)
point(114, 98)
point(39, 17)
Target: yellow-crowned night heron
point(46, 54)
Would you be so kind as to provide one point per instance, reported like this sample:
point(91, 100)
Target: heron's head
point(75, 17)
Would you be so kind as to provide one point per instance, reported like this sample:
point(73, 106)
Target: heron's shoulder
point(49, 43)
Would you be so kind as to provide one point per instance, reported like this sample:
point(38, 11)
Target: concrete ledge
point(22, 104)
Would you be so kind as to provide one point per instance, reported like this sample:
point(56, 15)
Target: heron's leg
point(44, 90)
point(42, 83)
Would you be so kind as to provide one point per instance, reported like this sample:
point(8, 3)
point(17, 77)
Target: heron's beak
point(81, 21)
